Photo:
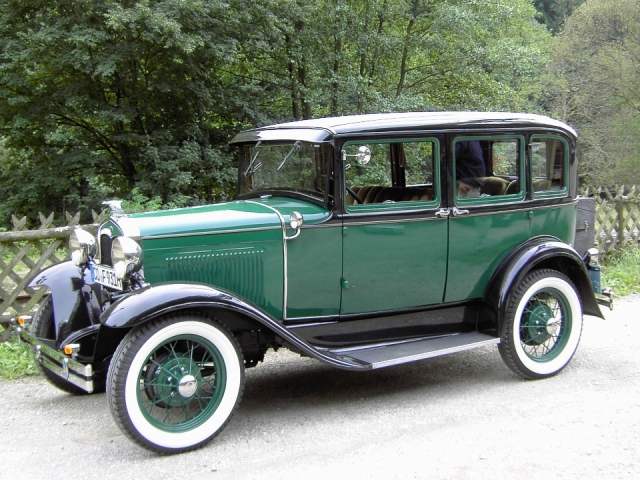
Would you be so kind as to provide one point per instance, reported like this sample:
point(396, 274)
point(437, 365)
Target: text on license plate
point(107, 276)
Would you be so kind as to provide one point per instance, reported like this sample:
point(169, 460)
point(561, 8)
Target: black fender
point(66, 283)
point(145, 304)
point(541, 252)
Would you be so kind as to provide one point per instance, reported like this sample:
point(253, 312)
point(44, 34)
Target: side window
point(488, 168)
point(549, 158)
point(389, 172)
point(361, 171)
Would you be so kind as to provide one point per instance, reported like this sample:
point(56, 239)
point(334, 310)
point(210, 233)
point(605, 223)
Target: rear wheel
point(542, 325)
point(174, 383)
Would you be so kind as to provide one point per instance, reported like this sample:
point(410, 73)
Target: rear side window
point(488, 169)
point(549, 164)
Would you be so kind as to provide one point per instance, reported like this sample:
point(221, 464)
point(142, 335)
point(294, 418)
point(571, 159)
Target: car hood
point(239, 215)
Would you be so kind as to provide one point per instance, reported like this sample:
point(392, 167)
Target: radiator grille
point(105, 250)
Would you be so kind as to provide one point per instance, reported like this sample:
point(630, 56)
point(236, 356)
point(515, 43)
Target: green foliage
point(105, 96)
point(138, 100)
point(594, 85)
point(622, 271)
point(16, 360)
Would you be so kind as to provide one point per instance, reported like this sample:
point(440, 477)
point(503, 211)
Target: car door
point(394, 240)
point(489, 217)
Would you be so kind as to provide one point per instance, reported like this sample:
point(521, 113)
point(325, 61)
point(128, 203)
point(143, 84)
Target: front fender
point(151, 302)
point(65, 281)
point(542, 252)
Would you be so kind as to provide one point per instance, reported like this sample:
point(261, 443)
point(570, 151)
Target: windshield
point(286, 166)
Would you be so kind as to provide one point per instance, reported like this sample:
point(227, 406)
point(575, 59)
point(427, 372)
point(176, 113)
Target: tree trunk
point(405, 48)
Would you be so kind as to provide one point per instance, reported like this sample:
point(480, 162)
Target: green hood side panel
point(235, 246)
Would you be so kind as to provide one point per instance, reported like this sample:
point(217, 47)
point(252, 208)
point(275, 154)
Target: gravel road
point(462, 416)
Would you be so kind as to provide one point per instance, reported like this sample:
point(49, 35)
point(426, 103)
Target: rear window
point(548, 165)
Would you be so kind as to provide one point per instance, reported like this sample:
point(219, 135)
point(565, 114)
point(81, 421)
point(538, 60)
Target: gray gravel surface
point(462, 416)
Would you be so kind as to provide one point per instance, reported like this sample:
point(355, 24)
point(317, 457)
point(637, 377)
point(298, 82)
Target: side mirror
point(364, 155)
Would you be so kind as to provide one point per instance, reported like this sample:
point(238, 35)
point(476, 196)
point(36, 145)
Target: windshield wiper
point(253, 167)
point(296, 148)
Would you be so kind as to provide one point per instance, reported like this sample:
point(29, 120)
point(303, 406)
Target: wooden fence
point(617, 216)
point(25, 252)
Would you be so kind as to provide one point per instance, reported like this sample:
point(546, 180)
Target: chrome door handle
point(456, 212)
point(443, 213)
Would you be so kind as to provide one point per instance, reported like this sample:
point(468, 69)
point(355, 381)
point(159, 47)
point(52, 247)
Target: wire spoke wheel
point(181, 384)
point(545, 325)
point(542, 324)
point(175, 382)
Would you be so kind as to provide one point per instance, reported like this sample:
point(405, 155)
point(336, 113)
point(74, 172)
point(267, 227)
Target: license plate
point(107, 276)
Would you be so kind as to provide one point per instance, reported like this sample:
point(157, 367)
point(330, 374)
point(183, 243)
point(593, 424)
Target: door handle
point(456, 212)
point(443, 213)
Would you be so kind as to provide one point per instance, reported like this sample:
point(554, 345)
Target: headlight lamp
point(82, 246)
point(126, 256)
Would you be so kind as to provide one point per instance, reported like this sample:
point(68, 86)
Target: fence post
point(620, 227)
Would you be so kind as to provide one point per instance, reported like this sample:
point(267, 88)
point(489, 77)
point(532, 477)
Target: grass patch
point(16, 360)
point(621, 271)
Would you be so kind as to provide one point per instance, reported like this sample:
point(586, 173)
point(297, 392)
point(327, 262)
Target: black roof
point(322, 129)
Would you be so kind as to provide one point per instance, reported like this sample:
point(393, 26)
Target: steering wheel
point(354, 195)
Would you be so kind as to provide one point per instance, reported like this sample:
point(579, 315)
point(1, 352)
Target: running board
point(386, 355)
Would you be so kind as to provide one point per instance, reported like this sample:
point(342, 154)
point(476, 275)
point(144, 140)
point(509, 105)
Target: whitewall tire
point(174, 383)
point(542, 325)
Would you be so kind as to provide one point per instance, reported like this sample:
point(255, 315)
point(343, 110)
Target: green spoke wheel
point(545, 325)
point(174, 383)
point(541, 328)
point(181, 384)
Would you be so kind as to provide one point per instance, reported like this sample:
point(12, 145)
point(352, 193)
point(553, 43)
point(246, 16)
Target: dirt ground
point(462, 416)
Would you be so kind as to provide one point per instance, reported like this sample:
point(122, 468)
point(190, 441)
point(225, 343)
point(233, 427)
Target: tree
point(139, 98)
point(596, 71)
point(111, 95)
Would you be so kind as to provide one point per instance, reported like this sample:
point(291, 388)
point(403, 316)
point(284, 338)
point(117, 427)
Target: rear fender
point(541, 252)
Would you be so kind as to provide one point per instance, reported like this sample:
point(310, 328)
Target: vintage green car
point(362, 241)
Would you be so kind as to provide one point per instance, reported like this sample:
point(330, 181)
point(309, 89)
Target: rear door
point(489, 217)
point(394, 242)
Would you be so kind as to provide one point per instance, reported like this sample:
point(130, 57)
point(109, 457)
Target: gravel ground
point(462, 416)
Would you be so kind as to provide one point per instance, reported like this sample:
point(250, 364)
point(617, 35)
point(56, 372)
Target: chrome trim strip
point(435, 353)
point(285, 285)
point(210, 232)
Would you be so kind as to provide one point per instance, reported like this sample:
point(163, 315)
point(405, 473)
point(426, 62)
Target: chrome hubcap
point(188, 386)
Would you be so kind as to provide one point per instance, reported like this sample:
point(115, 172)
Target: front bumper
point(58, 363)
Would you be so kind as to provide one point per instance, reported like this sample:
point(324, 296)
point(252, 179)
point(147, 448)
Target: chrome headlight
point(126, 255)
point(82, 245)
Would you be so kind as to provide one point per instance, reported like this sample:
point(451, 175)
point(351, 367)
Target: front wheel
point(174, 383)
point(542, 325)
